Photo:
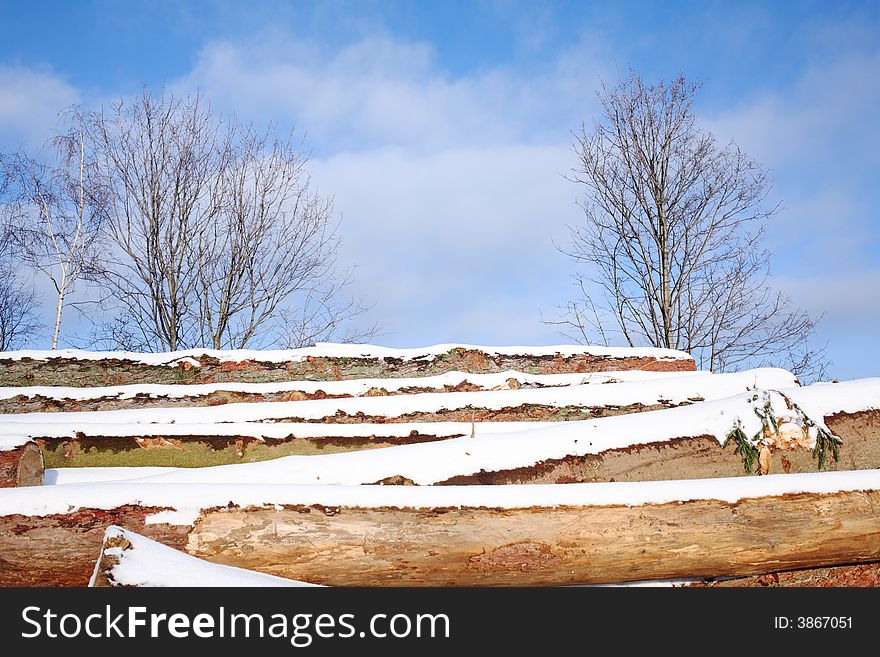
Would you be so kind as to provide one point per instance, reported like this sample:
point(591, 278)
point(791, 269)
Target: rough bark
point(203, 451)
point(21, 466)
point(72, 372)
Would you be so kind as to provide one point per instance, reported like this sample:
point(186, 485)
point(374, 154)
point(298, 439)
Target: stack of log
point(516, 466)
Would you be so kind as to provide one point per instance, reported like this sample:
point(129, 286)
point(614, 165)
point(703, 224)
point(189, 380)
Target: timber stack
point(454, 465)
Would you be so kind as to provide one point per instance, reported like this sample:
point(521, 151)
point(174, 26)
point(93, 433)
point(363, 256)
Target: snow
point(333, 350)
point(149, 563)
point(63, 476)
point(11, 441)
point(188, 500)
point(266, 430)
point(352, 387)
point(430, 463)
point(675, 390)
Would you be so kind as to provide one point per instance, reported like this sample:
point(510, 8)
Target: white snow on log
point(265, 430)
point(187, 501)
point(352, 387)
point(676, 390)
point(333, 350)
point(430, 463)
point(145, 562)
point(11, 441)
point(66, 476)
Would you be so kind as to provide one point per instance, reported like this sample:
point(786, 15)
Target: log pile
point(449, 466)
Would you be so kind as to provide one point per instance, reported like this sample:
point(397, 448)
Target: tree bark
point(21, 466)
point(57, 371)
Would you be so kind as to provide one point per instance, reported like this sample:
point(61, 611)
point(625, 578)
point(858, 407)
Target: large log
point(543, 546)
point(324, 362)
point(21, 465)
point(459, 536)
point(130, 559)
point(202, 445)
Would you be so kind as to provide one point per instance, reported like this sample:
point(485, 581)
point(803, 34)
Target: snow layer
point(188, 500)
point(333, 350)
point(11, 441)
point(64, 476)
point(429, 463)
point(352, 387)
point(265, 430)
point(149, 563)
point(674, 390)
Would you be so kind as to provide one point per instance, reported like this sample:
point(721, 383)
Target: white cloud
point(30, 100)
point(456, 245)
point(848, 297)
point(381, 92)
point(829, 108)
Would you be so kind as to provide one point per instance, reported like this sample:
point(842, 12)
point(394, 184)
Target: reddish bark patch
point(525, 557)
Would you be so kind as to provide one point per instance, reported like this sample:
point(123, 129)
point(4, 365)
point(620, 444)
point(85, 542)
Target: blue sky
point(442, 129)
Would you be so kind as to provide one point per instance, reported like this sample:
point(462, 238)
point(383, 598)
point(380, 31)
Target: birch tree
point(673, 237)
point(53, 220)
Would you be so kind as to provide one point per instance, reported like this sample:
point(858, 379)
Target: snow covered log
point(322, 362)
point(21, 462)
point(206, 445)
point(688, 442)
point(31, 399)
point(201, 437)
point(458, 535)
point(129, 559)
point(585, 400)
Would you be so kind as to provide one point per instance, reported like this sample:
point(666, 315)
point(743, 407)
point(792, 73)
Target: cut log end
point(21, 466)
point(108, 559)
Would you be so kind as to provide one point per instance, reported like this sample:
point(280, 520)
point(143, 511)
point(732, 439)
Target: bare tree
point(322, 314)
point(53, 221)
point(156, 162)
point(18, 303)
point(673, 235)
point(214, 227)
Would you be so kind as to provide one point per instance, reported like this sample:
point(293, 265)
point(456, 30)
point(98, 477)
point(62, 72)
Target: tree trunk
point(59, 307)
point(21, 466)
point(544, 546)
